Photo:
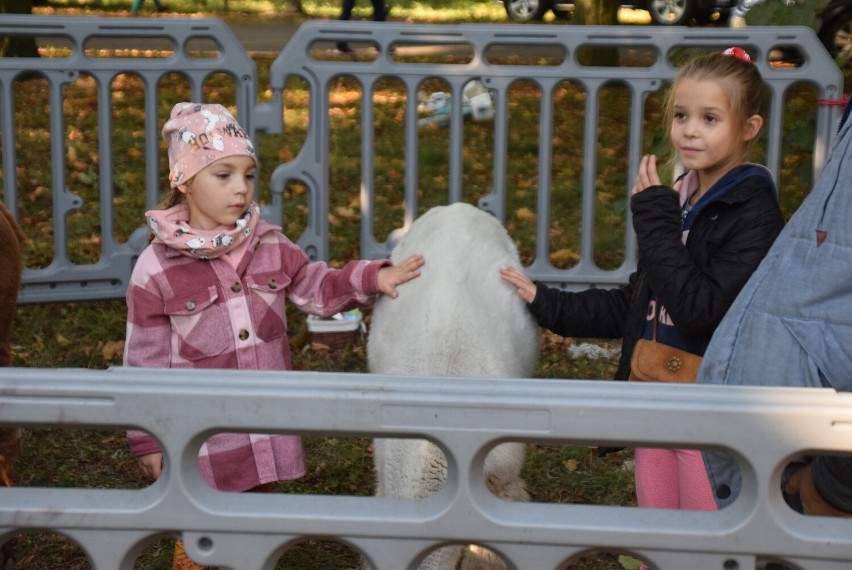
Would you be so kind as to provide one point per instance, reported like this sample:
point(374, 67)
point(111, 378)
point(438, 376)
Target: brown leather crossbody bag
point(654, 361)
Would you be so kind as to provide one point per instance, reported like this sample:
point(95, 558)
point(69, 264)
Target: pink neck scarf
point(688, 187)
point(171, 228)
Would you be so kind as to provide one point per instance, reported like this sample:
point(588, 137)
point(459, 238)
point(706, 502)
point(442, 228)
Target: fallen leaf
point(525, 214)
point(563, 256)
point(112, 348)
point(345, 213)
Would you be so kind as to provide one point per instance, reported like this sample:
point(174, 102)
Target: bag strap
point(656, 318)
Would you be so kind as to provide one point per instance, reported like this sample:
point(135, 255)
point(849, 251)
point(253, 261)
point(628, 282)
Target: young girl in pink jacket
point(210, 289)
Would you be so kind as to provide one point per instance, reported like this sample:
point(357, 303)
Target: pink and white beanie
point(199, 134)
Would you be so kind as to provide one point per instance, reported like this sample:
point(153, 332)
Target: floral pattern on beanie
point(199, 134)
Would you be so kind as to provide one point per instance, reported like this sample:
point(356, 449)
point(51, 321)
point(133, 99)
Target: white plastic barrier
point(466, 417)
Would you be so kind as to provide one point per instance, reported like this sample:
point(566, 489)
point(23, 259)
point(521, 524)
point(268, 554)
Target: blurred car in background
point(663, 12)
point(831, 19)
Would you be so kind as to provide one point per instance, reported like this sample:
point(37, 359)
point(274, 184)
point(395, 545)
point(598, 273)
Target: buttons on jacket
point(236, 287)
point(190, 305)
point(723, 491)
point(244, 334)
point(272, 284)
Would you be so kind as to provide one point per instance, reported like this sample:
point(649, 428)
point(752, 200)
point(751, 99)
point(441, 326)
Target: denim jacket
point(791, 325)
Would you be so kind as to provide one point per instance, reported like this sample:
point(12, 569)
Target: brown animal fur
point(11, 266)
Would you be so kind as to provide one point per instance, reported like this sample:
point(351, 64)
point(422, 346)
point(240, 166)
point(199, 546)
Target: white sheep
point(457, 319)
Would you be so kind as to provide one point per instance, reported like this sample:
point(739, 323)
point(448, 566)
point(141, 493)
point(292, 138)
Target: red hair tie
point(738, 52)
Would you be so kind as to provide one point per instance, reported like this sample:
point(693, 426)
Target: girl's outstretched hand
point(391, 276)
point(151, 465)
point(525, 285)
point(647, 175)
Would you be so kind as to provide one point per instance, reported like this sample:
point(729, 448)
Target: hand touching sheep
point(393, 275)
point(525, 285)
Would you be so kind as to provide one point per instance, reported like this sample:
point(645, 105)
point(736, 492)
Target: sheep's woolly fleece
point(592, 351)
point(457, 319)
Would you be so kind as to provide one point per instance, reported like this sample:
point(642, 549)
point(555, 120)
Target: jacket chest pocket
point(268, 292)
point(712, 233)
point(825, 346)
point(200, 323)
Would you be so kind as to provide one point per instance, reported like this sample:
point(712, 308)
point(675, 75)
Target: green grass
point(90, 335)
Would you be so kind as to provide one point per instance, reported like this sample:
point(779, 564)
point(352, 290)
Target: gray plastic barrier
point(311, 166)
point(64, 280)
point(466, 417)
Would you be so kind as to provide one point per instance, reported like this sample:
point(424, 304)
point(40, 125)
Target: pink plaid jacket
point(189, 313)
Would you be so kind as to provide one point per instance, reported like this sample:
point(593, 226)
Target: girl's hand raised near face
point(391, 276)
point(647, 175)
point(525, 285)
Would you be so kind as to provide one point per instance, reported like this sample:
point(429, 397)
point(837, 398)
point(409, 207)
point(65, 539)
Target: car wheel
point(836, 36)
point(670, 12)
point(526, 10)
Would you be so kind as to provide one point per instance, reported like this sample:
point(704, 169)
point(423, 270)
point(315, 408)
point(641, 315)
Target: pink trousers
point(672, 479)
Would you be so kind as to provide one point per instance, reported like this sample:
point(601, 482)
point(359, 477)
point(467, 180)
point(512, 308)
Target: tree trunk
point(17, 46)
point(597, 13)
